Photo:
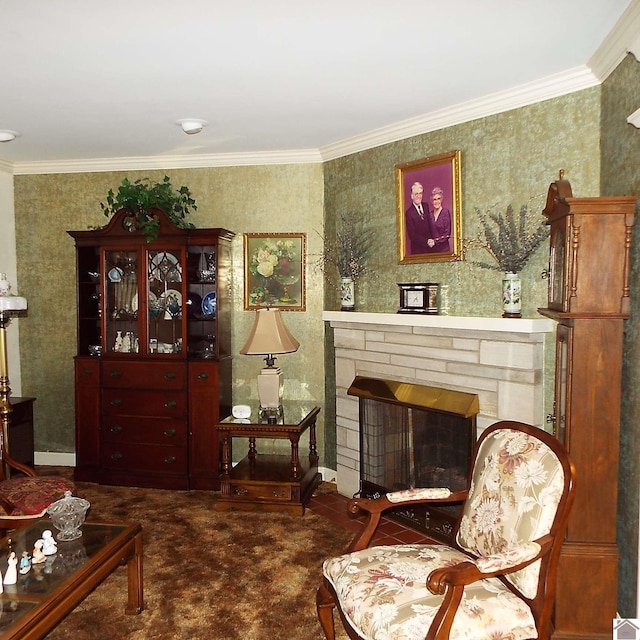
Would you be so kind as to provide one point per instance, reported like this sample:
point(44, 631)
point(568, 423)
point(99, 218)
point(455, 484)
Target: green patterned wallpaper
point(506, 158)
point(260, 199)
point(620, 176)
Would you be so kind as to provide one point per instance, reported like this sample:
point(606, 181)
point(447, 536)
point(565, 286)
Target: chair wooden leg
point(325, 605)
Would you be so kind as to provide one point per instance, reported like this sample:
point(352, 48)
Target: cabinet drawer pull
point(169, 432)
point(87, 372)
point(116, 402)
point(115, 428)
point(114, 373)
point(170, 375)
point(170, 459)
point(116, 456)
point(203, 376)
point(170, 404)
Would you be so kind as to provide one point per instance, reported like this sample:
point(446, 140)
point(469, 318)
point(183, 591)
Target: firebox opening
point(415, 436)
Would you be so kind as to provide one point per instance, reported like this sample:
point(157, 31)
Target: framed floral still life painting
point(274, 271)
point(429, 209)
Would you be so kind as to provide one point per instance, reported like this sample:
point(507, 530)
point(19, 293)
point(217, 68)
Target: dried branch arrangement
point(349, 250)
point(508, 238)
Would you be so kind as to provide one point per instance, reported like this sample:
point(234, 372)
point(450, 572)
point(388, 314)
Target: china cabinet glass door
point(164, 301)
point(121, 301)
point(202, 303)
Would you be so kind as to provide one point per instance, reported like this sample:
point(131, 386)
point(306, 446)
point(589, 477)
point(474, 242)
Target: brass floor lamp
point(11, 306)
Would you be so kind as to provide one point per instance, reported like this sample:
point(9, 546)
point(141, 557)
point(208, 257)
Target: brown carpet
point(220, 576)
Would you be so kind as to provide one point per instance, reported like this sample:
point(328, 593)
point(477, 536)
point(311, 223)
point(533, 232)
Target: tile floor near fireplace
point(333, 506)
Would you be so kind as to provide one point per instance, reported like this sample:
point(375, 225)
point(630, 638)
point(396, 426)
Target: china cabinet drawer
point(143, 375)
point(144, 430)
point(144, 458)
point(203, 376)
point(88, 372)
point(125, 402)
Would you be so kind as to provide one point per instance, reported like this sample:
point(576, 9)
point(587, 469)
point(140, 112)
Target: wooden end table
point(269, 482)
point(19, 440)
point(49, 591)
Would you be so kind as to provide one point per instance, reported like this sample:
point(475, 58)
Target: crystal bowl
point(67, 516)
point(95, 350)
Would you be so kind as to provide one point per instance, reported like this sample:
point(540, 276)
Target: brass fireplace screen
point(414, 435)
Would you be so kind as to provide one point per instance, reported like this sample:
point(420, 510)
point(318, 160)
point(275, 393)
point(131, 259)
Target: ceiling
point(89, 82)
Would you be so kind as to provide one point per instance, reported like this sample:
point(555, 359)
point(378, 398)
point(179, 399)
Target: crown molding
point(302, 156)
point(530, 93)
point(634, 48)
point(6, 167)
point(623, 38)
point(634, 119)
point(551, 87)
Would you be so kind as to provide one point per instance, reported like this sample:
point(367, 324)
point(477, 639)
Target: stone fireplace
point(501, 360)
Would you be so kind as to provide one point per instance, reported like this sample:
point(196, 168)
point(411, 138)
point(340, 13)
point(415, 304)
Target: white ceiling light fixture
point(192, 125)
point(6, 135)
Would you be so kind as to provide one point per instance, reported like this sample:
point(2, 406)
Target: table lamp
point(10, 306)
point(268, 337)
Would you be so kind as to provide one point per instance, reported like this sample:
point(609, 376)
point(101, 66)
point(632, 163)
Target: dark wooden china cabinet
point(589, 298)
point(153, 368)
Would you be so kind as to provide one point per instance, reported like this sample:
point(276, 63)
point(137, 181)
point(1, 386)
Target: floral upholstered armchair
point(496, 580)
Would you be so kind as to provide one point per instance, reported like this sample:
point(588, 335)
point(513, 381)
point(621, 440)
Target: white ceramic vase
point(511, 295)
point(347, 294)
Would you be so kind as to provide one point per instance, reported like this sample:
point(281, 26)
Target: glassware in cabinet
point(165, 304)
point(121, 301)
point(202, 301)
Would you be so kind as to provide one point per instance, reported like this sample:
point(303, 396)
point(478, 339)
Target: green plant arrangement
point(141, 195)
point(509, 239)
point(349, 251)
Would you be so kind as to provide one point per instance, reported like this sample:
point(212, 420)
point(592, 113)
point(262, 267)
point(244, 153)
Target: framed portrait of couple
point(429, 209)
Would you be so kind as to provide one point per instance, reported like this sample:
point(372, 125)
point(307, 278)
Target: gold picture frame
point(429, 235)
point(274, 271)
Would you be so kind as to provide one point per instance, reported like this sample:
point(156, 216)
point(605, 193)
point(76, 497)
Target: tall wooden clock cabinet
point(153, 365)
point(589, 298)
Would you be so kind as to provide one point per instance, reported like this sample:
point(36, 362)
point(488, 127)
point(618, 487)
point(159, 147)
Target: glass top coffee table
point(49, 591)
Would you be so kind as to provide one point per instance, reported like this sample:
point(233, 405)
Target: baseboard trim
point(54, 459)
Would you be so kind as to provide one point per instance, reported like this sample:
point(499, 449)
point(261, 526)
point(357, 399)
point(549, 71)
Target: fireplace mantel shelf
point(510, 325)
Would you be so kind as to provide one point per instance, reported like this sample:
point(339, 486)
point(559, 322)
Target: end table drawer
point(263, 491)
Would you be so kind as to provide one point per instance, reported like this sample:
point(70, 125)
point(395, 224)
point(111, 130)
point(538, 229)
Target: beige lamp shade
point(269, 335)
